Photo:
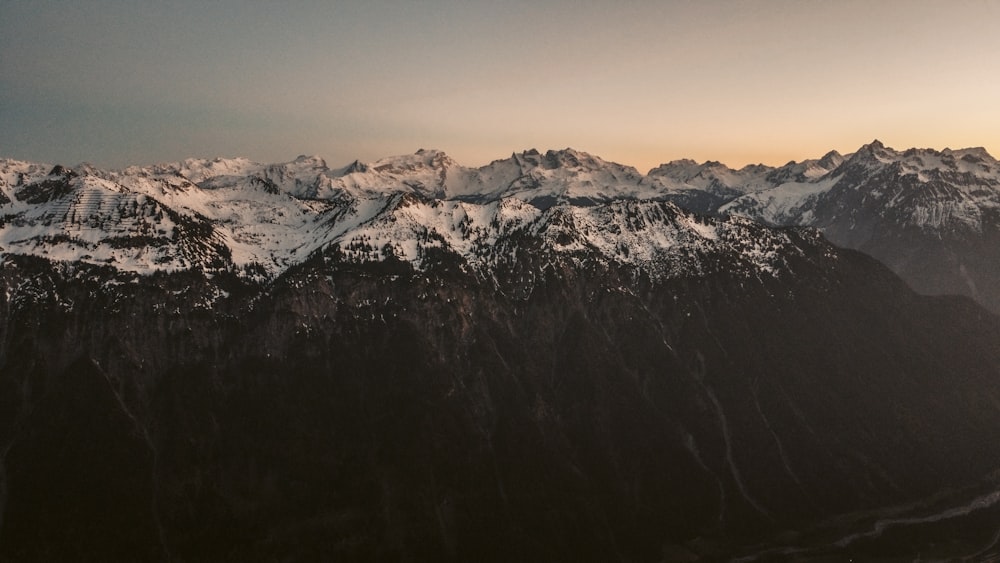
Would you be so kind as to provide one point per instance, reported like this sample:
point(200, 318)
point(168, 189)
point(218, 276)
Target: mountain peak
point(567, 157)
point(430, 152)
point(437, 158)
point(435, 155)
point(422, 159)
point(831, 160)
point(354, 167)
point(59, 170)
point(874, 152)
point(975, 154)
point(85, 169)
point(682, 167)
point(311, 160)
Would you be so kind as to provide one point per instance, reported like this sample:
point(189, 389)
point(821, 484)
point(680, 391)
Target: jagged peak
point(86, 169)
point(973, 154)
point(874, 152)
point(527, 157)
point(553, 159)
point(208, 167)
point(574, 159)
point(436, 157)
point(60, 170)
point(676, 163)
point(874, 145)
point(355, 167)
point(568, 151)
point(831, 159)
point(685, 168)
point(215, 161)
point(423, 158)
point(313, 160)
point(565, 157)
point(562, 158)
point(755, 168)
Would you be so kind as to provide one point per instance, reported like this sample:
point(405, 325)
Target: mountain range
point(550, 357)
point(931, 216)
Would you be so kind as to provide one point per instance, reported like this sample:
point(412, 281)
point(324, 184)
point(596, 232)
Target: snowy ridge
point(260, 219)
point(686, 175)
point(657, 237)
point(922, 188)
point(786, 204)
point(933, 217)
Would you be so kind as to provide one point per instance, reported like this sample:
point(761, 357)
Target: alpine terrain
point(551, 357)
point(931, 216)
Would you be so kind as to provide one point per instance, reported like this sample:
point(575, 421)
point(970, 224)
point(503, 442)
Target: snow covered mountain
point(922, 188)
point(258, 220)
point(545, 358)
point(932, 216)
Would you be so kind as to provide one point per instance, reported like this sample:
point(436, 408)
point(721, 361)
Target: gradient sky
point(118, 82)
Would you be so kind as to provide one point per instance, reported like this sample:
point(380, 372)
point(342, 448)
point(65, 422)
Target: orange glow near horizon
point(637, 82)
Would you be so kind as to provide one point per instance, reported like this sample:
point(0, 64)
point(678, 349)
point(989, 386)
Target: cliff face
point(562, 408)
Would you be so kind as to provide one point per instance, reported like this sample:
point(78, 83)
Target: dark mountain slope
point(556, 407)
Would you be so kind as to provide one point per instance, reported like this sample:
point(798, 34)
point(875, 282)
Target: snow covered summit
point(933, 216)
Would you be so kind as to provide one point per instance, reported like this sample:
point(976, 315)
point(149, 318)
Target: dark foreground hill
point(743, 391)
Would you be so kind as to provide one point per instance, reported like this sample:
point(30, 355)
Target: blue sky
point(640, 82)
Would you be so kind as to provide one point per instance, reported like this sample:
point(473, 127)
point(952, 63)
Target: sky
point(640, 82)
